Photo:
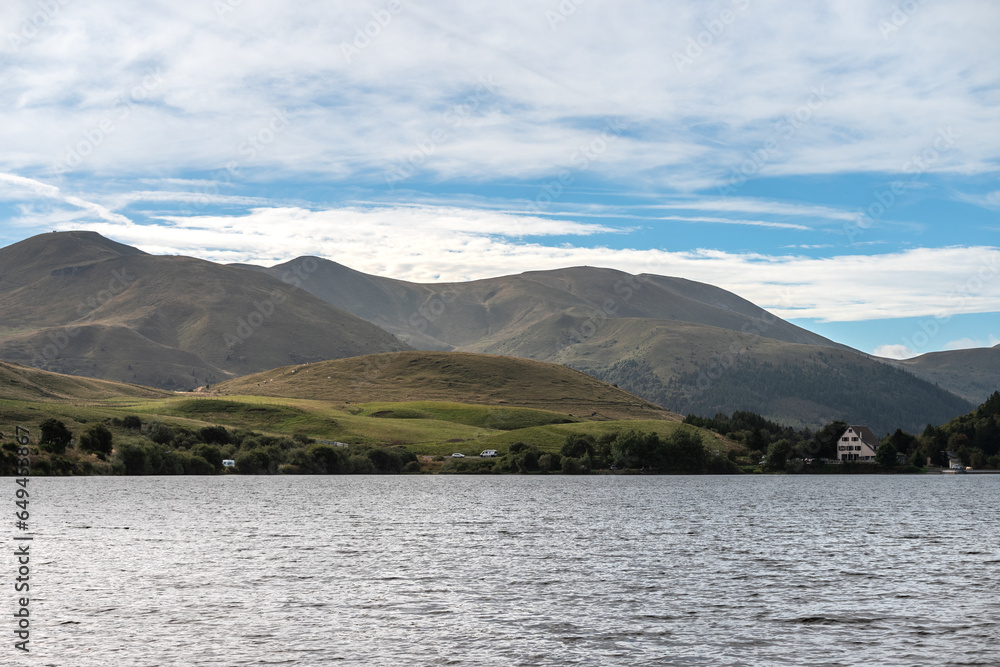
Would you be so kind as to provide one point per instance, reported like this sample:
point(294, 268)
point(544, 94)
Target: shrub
point(55, 437)
point(132, 423)
point(257, 461)
point(196, 465)
point(134, 459)
point(327, 460)
point(210, 453)
point(215, 435)
point(571, 466)
point(359, 464)
point(578, 446)
point(96, 439)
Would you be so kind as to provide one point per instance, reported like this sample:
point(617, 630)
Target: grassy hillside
point(78, 303)
point(452, 377)
point(704, 370)
point(23, 383)
point(973, 374)
point(273, 429)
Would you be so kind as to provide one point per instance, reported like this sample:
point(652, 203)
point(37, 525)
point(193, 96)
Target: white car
point(456, 455)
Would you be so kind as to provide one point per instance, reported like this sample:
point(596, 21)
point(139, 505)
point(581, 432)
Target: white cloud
point(22, 188)
point(894, 352)
point(967, 343)
point(83, 84)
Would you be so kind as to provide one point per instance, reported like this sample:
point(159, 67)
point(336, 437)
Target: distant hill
point(688, 346)
point(973, 374)
point(450, 376)
point(77, 303)
point(482, 314)
point(22, 383)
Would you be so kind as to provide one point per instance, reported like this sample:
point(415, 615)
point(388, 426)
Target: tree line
point(129, 447)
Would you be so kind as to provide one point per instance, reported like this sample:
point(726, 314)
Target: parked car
point(458, 455)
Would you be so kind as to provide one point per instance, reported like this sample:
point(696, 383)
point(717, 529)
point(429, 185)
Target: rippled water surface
point(435, 570)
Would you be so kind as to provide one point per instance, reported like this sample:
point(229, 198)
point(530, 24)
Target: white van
point(488, 453)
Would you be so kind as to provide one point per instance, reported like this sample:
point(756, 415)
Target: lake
point(512, 570)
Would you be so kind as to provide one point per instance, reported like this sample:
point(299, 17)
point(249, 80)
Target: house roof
point(865, 434)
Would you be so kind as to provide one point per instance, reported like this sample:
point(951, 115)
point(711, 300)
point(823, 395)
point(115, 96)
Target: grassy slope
point(450, 377)
point(511, 391)
point(30, 384)
point(973, 374)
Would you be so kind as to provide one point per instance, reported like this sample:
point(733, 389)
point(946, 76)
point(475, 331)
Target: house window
point(855, 438)
point(858, 448)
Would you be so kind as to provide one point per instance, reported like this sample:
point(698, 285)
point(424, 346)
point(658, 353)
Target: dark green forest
point(884, 397)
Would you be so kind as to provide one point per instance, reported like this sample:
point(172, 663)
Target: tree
point(885, 455)
point(577, 446)
point(134, 459)
point(215, 435)
point(210, 453)
point(132, 423)
point(96, 439)
point(55, 437)
point(684, 450)
point(827, 439)
point(777, 455)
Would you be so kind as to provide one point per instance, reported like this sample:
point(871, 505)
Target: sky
point(834, 162)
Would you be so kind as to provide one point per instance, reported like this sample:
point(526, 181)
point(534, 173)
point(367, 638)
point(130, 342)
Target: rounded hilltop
point(459, 377)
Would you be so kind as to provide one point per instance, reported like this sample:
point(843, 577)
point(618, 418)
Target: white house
point(857, 443)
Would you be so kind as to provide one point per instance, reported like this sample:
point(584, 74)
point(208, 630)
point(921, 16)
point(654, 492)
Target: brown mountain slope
point(973, 374)
point(450, 376)
point(479, 314)
point(77, 303)
point(659, 337)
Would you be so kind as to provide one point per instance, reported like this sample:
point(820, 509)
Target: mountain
point(453, 377)
point(78, 303)
point(973, 374)
point(481, 314)
point(688, 346)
